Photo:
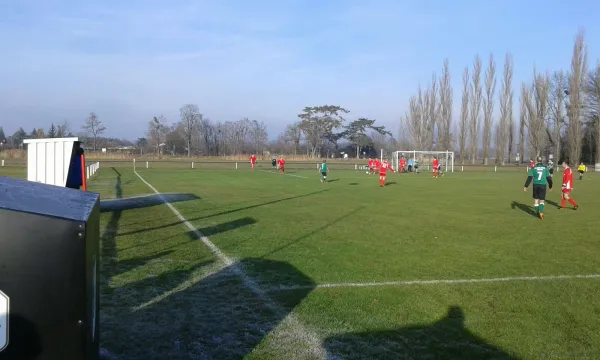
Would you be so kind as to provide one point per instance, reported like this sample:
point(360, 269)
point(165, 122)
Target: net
point(425, 159)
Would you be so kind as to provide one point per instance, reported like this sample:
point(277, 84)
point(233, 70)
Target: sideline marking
point(304, 334)
point(437, 282)
point(272, 172)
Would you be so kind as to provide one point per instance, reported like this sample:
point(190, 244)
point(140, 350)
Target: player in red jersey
point(281, 163)
point(377, 165)
point(383, 172)
point(436, 167)
point(402, 165)
point(253, 161)
point(371, 166)
point(567, 186)
point(531, 163)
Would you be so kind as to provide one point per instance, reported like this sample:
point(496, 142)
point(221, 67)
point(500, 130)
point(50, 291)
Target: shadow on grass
point(525, 208)
point(390, 183)
point(184, 314)
point(353, 184)
point(553, 203)
point(332, 180)
point(145, 201)
point(150, 228)
point(448, 339)
point(302, 237)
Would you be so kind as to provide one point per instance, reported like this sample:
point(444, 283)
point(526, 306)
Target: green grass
point(166, 296)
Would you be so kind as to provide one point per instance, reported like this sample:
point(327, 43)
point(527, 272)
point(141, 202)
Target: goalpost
point(425, 158)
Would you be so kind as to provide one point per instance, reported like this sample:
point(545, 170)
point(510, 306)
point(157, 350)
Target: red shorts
point(382, 174)
point(566, 191)
point(281, 168)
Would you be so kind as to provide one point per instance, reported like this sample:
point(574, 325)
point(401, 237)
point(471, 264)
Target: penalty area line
point(313, 341)
point(437, 282)
point(272, 172)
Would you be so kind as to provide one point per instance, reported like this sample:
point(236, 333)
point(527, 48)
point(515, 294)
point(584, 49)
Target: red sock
point(562, 203)
point(572, 202)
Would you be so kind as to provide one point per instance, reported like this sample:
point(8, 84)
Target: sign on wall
point(4, 310)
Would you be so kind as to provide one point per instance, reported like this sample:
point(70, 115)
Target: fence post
point(147, 165)
point(495, 168)
point(236, 166)
point(192, 164)
point(134, 164)
point(2, 162)
point(462, 168)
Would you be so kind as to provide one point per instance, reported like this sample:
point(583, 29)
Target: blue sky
point(130, 60)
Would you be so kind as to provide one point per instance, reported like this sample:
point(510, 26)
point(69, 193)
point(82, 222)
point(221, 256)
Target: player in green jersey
point(551, 167)
point(541, 178)
point(416, 166)
point(323, 170)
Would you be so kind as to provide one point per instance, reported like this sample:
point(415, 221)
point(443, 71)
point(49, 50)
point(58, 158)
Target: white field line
point(438, 282)
point(303, 333)
point(273, 172)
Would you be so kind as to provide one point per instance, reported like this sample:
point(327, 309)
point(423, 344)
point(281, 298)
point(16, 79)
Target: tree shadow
point(193, 314)
point(525, 208)
point(447, 338)
point(24, 340)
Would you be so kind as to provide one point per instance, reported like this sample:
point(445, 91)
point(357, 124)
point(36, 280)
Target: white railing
point(91, 169)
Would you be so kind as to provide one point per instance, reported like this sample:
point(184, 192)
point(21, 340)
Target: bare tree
point(464, 116)
point(190, 118)
point(415, 120)
point(157, 131)
point(431, 112)
point(505, 131)
point(259, 136)
point(536, 99)
point(475, 98)
point(93, 126)
point(593, 95)
point(490, 89)
point(575, 110)
point(445, 108)
point(522, 121)
point(293, 134)
point(63, 130)
point(556, 108)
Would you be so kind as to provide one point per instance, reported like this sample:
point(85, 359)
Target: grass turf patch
point(164, 295)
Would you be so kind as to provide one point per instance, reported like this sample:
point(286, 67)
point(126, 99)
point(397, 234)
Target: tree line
point(558, 113)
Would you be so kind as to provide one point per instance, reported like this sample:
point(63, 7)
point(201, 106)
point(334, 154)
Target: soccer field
point(256, 265)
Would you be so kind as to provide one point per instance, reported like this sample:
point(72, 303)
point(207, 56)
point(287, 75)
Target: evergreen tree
point(2, 136)
point(52, 131)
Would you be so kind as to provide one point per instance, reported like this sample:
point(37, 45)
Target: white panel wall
point(48, 160)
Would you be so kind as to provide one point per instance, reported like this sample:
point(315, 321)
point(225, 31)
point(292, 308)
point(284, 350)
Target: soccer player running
point(383, 168)
point(581, 170)
point(551, 167)
point(274, 162)
point(253, 161)
point(281, 163)
point(371, 166)
point(323, 170)
point(436, 167)
point(541, 177)
point(402, 165)
point(567, 186)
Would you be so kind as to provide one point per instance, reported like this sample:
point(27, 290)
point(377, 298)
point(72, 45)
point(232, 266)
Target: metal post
point(192, 164)
point(147, 165)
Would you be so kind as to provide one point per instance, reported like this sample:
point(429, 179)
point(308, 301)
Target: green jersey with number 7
point(540, 174)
